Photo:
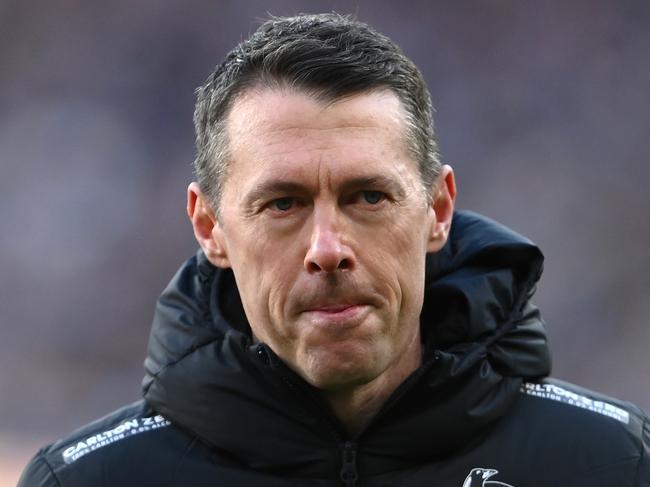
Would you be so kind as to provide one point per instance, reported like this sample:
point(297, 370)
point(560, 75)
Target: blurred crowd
point(541, 107)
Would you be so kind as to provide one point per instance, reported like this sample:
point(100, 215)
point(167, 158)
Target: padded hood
point(482, 338)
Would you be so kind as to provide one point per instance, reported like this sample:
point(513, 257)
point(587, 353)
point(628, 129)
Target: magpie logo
point(479, 477)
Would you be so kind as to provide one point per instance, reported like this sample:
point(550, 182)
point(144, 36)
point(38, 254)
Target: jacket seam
point(204, 277)
point(187, 449)
point(642, 455)
point(182, 357)
point(523, 292)
point(49, 467)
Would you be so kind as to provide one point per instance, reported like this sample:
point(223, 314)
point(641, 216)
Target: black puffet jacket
point(219, 410)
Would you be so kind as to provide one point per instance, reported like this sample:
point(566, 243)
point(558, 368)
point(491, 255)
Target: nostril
point(313, 267)
point(343, 264)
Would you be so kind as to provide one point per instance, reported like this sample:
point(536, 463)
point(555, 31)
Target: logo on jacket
point(129, 427)
point(478, 477)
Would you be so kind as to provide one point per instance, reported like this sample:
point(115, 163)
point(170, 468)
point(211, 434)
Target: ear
point(207, 229)
point(444, 197)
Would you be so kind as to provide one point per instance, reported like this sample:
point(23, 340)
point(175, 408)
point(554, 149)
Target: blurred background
point(541, 107)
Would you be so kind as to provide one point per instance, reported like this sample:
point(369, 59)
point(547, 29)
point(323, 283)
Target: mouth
point(343, 315)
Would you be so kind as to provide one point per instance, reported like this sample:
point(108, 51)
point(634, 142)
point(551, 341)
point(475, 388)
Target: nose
point(327, 251)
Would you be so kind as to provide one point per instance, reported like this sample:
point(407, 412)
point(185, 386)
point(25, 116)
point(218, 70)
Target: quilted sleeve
point(643, 469)
point(38, 473)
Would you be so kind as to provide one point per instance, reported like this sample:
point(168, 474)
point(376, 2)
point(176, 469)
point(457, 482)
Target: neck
point(357, 405)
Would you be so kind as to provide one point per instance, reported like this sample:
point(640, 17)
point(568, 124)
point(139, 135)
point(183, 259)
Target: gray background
point(542, 108)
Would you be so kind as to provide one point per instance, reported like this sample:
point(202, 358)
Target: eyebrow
point(377, 181)
point(272, 187)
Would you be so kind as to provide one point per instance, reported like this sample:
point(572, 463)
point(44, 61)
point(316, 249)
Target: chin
point(338, 373)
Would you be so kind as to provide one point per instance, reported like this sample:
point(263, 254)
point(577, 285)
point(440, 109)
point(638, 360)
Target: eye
point(372, 197)
point(282, 204)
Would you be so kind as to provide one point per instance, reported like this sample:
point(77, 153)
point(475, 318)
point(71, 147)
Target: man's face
point(325, 224)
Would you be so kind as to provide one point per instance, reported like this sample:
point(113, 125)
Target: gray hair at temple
point(328, 56)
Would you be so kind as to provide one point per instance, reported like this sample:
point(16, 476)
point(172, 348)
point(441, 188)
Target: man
point(341, 325)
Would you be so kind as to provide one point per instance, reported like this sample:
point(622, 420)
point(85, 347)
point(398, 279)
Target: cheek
point(264, 276)
point(398, 261)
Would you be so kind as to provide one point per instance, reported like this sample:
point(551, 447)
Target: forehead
point(281, 113)
point(284, 129)
point(265, 108)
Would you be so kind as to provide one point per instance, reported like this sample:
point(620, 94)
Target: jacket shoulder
point(587, 430)
point(591, 405)
point(121, 438)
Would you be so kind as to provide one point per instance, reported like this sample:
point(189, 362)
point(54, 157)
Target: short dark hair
point(329, 56)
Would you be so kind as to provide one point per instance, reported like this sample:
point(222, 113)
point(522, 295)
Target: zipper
point(315, 409)
point(349, 474)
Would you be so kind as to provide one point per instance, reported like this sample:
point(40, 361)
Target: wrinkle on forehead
point(294, 112)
